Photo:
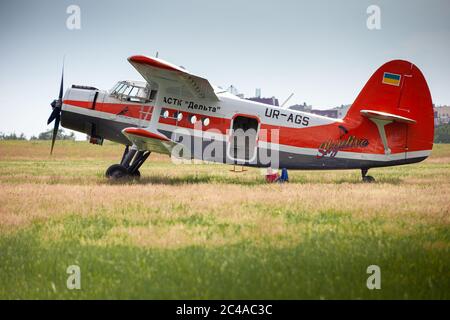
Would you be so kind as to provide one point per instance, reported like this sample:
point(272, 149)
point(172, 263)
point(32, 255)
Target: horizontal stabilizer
point(372, 114)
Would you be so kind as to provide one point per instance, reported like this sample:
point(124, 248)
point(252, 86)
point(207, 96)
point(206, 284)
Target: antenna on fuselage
point(157, 54)
point(285, 101)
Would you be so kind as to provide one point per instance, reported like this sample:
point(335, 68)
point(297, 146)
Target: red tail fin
point(397, 92)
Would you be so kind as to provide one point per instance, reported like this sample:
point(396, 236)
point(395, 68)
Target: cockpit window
point(115, 87)
point(142, 93)
point(133, 91)
point(122, 89)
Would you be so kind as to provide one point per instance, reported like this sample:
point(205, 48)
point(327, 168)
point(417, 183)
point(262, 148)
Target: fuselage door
point(243, 140)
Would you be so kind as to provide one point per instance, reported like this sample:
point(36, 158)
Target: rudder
point(398, 93)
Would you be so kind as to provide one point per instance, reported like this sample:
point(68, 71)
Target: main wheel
point(368, 179)
point(116, 171)
point(136, 175)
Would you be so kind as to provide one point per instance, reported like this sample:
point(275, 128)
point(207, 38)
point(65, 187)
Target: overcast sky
point(320, 50)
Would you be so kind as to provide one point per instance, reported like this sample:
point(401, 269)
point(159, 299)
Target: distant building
point(441, 115)
point(338, 112)
point(233, 90)
point(272, 101)
point(330, 113)
point(342, 110)
point(301, 107)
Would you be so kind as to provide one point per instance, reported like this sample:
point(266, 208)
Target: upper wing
point(153, 69)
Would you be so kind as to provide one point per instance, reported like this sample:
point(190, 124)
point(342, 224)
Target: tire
point(368, 179)
point(116, 172)
point(136, 175)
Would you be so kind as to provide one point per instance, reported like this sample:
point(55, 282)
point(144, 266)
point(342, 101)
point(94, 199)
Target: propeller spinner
point(56, 113)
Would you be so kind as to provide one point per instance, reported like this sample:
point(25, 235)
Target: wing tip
point(154, 62)
point(144, 133)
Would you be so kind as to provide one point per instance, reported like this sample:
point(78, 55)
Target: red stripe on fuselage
point(306, 137)
point(137, 111)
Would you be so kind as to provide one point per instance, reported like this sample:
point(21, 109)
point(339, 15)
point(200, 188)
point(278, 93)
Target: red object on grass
point(273, 177)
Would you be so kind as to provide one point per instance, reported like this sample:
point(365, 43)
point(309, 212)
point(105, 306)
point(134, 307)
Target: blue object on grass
point(284, 175)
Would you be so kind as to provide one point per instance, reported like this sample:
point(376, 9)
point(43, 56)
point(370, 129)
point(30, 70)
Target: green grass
point(202, 232)
point(328, 264)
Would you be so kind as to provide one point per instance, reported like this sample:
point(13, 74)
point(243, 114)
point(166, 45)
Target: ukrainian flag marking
point(391, 78)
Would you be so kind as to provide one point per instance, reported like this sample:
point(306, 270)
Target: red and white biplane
point(181, 114)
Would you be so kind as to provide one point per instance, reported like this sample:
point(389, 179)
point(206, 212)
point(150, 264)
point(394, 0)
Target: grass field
point(201, 231)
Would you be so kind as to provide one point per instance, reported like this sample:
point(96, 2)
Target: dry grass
point(24, 204)
point(37, 195)
point(207, 206)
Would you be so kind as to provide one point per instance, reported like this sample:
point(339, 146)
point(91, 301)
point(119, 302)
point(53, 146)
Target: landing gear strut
point(132, 160)
point(365, 177)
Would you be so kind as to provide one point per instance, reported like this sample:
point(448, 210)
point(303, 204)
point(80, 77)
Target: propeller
point(56, 113)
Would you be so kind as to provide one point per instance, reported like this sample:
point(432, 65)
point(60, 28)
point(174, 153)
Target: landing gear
point(365, 177)
point(116, 171)
point(128, 168)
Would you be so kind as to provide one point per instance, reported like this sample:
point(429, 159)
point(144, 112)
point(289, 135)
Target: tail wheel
point(365, 177)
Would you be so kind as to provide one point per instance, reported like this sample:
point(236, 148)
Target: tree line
point(46, 135)
point(442, 133)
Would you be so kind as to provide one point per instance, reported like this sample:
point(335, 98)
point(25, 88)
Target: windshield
point(131, 92)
